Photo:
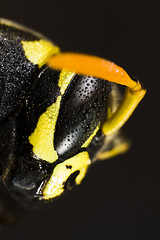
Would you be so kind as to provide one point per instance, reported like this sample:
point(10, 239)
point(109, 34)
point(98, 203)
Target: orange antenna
point(101, 68)
point(90, 65)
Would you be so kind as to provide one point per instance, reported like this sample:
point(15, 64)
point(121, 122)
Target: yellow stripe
point(61, 173)
point(38, 52)
point(64, 80)
point(91, 137)
point(43, 135)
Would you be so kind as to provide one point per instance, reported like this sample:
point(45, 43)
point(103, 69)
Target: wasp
point(58, 114)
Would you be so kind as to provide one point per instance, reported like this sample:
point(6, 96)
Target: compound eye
point(84, 107)
point(101, 68)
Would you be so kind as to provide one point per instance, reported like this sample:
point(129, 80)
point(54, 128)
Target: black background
point(119, 198)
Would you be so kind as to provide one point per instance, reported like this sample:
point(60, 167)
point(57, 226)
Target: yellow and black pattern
point(58, 114)
point(43, 136)
point(62, 133)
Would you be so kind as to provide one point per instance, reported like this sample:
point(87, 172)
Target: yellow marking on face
point(43, 135)
point(91, 137)
point(61, 173)
point(64, 80)
point(38, 52)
